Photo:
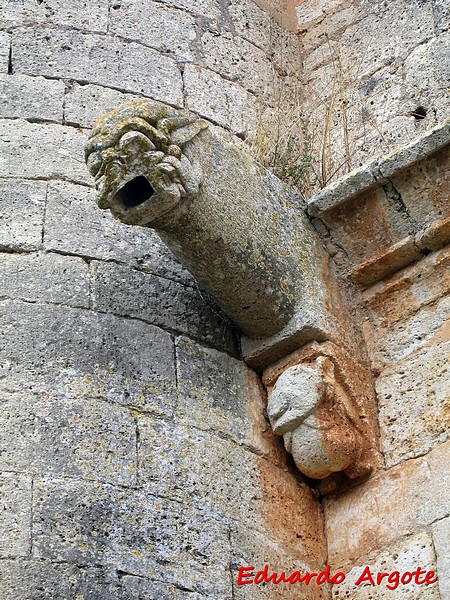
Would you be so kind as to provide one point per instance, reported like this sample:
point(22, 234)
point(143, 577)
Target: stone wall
point(373, 76)
point(389, 236)
point(136, 461)
point(135, 458)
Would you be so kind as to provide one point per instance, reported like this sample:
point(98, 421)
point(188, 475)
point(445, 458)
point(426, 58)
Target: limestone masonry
point(264, 379)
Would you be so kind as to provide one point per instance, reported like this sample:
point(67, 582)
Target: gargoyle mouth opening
point(135, 192)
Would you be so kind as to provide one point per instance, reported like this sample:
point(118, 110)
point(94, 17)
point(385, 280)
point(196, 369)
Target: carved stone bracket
point(323, 405)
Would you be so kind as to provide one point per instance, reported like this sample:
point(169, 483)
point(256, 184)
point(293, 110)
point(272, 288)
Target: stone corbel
point(322, 403)
point(247, 240)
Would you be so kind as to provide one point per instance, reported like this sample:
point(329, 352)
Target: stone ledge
point(375, 172)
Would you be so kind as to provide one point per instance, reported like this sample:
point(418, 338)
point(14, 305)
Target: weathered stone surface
point(414, 402)
point(237, 60)
point(28, 12)
point(75, 225)
point(165, 303)
point(220, 393)
point(138, 588)
point(434, 237)
point(83, 104)
point(427, 68)
point(341, 190)
point(39, 151)
point(396, 257)
point(424, 188)
point(252, 23)
point(97, 59)
point(56, 436)
point(147, 22)
point(441, 539)
point(250, 548)
point(404, 556)
point(132, 532)
point(393, 504)
point(33, 98)
point(406, 292)
point(22, 214)
point(35, 579)
point(388, 46)
point(224, 479)
point(216, 474)
point(74, 353)
point(45, 278)
point(442, 14)
point(224, 102)
point(15, 524)
point(210, 9)
point(5, 44)
point(427, 327)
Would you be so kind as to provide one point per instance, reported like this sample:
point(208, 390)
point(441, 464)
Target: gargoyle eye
point(94, 163)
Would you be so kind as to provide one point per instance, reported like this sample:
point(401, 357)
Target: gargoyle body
point(234, 225)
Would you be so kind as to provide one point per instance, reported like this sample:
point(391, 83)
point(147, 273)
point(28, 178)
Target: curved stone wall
point(135, 459)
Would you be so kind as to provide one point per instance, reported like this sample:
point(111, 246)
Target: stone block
point(33, 98)
point(15, 526)
point(442, 15)
point(42, 151)
point(84, 104)
point(252, 23)
point(33, 579)
point(221, 394)
point(209, 9)
point(74, 353)
point(237, 60)
point(404, 556)
point(393, 504)
point(57, 436)
point(46, 278)
point(170, 305)
point(147, 22)
point(424, 188)
point(179, 461)
point(427, 69)
point(406, 292)
point(58, 12)
point(414, 402)
point(400, 28)
point(426, 328)
point(74, 224)
point(22, 214)
point(441, 539)
point(250, 548)
point(97, 59)
point(5, 45)
point(89, 524)
point(224, 102)
point(138, 588)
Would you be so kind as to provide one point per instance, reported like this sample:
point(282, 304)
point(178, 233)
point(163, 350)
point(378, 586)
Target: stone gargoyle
point(245, 237)
point(233, 224)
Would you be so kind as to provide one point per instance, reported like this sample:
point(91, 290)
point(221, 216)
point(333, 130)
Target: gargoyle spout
point(233, 224)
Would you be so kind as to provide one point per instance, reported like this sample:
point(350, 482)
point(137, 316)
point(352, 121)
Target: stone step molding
point(391, 212)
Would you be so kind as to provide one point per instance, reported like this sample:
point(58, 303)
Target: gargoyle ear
point(185, 134)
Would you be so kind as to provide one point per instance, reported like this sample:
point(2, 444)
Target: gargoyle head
point(309, 409)
point(135, 154)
